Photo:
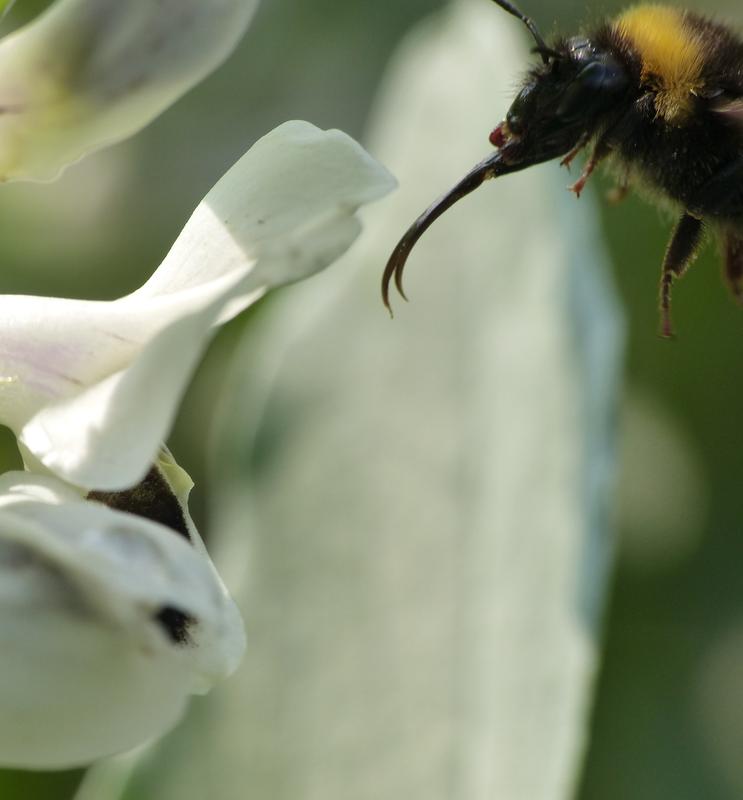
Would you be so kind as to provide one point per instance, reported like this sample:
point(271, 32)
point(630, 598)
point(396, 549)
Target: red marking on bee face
point(497, 137)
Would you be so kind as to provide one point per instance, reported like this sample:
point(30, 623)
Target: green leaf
point(5, 6)
point(39, 785)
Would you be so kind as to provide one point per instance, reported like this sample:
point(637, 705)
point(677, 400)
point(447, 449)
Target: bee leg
point(568, 159)
point(734, 265)
point(600, 151)
point(679, 254)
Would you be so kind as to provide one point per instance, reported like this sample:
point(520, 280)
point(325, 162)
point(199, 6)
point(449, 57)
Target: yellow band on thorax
point(670, 53)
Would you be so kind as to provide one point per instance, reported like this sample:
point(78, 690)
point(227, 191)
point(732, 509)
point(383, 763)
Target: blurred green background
point(668, 715)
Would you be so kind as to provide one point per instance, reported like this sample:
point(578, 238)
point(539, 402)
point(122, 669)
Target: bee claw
point(666, 327)
point(577, 187)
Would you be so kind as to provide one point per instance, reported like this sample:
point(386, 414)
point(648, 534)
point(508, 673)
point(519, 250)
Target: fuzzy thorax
point(670, 53)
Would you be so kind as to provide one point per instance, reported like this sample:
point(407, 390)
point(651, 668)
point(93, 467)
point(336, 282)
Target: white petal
point(91, 387)
point(288, 205)
point(107, 435)
point(421, 505)
point(87, 669)
point(88, 73)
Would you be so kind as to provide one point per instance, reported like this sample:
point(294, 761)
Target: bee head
point(561, 101)
point(558, 108)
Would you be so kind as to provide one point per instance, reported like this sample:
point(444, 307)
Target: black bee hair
point(658, 92)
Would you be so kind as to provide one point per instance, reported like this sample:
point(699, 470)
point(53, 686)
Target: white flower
point(87, 73)
point(108, 622)
point(91, 388)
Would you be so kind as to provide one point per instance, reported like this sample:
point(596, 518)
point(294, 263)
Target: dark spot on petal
point(175, 623)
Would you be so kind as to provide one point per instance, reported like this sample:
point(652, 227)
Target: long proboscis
point(490, 167)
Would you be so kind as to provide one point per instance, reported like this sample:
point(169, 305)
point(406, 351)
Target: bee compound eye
point(515, 125)
point(519, 111)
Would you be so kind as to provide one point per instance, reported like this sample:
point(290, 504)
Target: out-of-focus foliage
point(665, 723)
point(87, 73)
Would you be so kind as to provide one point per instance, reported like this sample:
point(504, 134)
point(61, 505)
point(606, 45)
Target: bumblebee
point(658, 91)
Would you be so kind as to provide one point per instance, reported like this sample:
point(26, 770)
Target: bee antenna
point(541, 48)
